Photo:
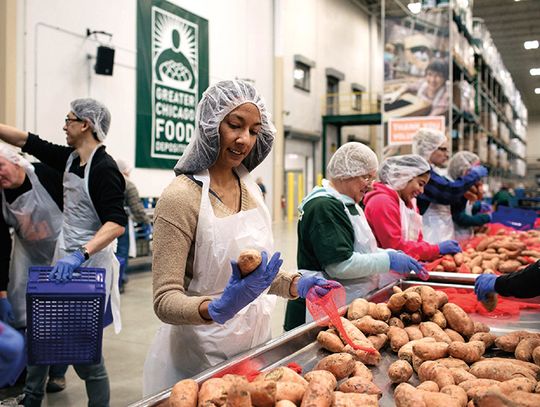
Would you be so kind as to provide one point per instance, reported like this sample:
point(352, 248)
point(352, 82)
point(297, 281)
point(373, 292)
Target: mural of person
point(171, 63)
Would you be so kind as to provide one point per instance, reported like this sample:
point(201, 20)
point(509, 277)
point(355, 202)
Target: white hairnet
point(123, 166)
point(460, 163)
point(95, 113)
point(12, 155)
point(426, 141)
point(397, 171)
point(217, 102)
point(352, 159)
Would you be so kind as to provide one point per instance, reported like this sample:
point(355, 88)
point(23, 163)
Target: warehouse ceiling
point(510, 23)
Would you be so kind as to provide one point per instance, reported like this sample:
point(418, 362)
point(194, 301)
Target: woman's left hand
point(322, 285)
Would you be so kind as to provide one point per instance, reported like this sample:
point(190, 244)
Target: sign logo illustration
point(175, 83)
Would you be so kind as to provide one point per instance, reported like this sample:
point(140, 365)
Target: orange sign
point(402, 130)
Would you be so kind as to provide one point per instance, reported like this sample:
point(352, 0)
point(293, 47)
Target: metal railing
point(334, 104)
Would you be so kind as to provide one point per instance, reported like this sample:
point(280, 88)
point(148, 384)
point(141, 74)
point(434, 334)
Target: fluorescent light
point(415, 7)
point(531, 44)
point(535, 71)
point(537, 91)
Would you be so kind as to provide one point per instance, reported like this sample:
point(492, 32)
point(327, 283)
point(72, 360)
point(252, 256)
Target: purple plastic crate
point(65, 320)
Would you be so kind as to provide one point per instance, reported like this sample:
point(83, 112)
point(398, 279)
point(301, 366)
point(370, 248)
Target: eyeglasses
point(368, 178)
point(68, 120)
point(443, 149)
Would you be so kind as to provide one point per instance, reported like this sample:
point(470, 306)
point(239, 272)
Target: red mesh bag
point(327, 306)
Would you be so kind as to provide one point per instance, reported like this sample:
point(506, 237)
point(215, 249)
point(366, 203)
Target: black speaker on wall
point(104, 60)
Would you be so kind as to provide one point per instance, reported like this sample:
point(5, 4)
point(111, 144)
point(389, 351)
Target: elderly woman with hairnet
point(391, 208)
point(93, 217)
point(440, 192)
point(210, 212)
point(469, 212)
point(334, 237)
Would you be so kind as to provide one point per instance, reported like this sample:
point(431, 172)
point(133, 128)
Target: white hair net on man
point(426, 141)
point(351, 160)
point(13, 156)
point(95, 113)
point(217, 102)
point(461, 162)
point(397, 171)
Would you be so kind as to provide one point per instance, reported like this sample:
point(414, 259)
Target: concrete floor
point(125, 353)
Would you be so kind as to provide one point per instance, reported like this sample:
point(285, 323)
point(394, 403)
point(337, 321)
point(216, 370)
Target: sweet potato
point(475, 383)
point(449, 266)
point(248, 261)
point(477, 270)
point(238, 394)
point(341, 365)
point(369, 358)
point(456, 337)
point(480, 327)
point(509, 266)
point(527, 365)
point(380, 312)
point(284, 403)
point(357, 384)
point(290, 391)
point(435, 331)
point(414, 301)
point(457, 393)
point(501, 371)
point(476, 262)
point(442, 298)
point(406, 395)
point(378, 341)
point(536, 355)
point(354, 399)
point(484, 243)
point(362, 370)
point(213, 392)
point(431, 370)
point(461, 375)
point(398, 337)
point(486, 337)
point(370, 326)
point(357, 309)
point(416, 318)
point(330, 341)
point(400, 371)
point(396, 302)
point(323, 376)
point(428, 385)
point(263, 393)
point(493, 397)
point(414, 332)
point(406, 351)
point(519, 383)
point(509, 341)
point(439, 319)
point(184, 394)
point(458, 320)
point(318, 394)
point(453, 363)
point(458, 259)
point(430, 351)
point(282, 374)
point(396, 322)
point(525, 348)
point(469, 352)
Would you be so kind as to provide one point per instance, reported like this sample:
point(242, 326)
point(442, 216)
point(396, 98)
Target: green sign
point(172, 73)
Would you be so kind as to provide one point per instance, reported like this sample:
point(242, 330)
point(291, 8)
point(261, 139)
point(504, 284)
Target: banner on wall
point(172, 74)
point(416, 62)
point(402, 130)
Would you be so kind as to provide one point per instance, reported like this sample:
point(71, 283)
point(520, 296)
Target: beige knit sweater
point(175, 224)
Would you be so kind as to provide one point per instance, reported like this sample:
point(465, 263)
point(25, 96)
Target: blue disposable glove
point(480, 171)
point(485, 207)
point(64, 268)
point(403, 264)
point(322, 285)
point(11, 354)
point(6, 312)
point(449, 247)
point(239, 292)
point(484, 285)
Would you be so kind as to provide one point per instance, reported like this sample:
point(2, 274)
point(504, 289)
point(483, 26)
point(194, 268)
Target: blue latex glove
point(322, 285)
point(64, 268)
point(449, 247)
point(485, 207)
point(6, 312)
point(239, 292)
point(403, 264)
point(11, 352)
point(484, 284)
point(480, 171)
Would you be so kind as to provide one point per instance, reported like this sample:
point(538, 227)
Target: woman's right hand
point(239, 292)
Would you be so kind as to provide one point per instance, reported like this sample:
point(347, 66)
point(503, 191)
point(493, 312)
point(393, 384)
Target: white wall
point(533, 139)
point(240, 40)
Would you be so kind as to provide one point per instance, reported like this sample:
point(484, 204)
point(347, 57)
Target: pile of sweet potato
point(505, 252)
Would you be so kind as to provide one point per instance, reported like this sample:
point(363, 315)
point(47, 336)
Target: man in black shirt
point(93, 218)
point(520, 284)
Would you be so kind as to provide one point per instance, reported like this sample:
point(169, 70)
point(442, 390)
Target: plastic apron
point(438, 224)
point(364, 242)
point(81, 223)
point(37, 221)
point(182, 351)
point(462, 233)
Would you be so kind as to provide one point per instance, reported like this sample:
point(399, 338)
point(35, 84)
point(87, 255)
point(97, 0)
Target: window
point(357, 91)
point(333, 76)
point(301, 76)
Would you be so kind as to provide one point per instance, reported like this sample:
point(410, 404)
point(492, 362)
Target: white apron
point(37, 221)
point(411, 221)
point(364, 242)
point(438, 224)
point(462, 233)
point(182, 351)
point(81, 223)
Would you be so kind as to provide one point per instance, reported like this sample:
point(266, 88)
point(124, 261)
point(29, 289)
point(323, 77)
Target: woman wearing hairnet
point(467, 213)
point(210, 212)
point(391, 208)
point(333, 234)
point(440, 192)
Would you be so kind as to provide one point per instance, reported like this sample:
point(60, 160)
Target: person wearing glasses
point(392, 213)
point(93, 217)
point(440, 192)
point(334, 237)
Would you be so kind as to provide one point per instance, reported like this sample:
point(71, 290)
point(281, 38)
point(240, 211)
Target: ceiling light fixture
point(415, 7)
point(537, 91)
point(531, 44)
point(535, 71)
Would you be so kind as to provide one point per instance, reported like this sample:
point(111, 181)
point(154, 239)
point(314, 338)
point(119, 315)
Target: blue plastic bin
point(65, 320)
point(520, 219)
